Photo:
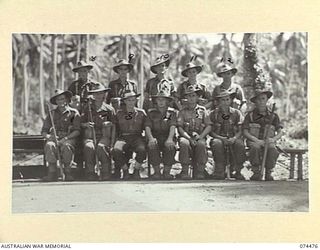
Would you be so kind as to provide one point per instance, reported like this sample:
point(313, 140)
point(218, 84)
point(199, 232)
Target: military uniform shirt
point(184, 86)
point(65, 122)
point(226, 124)
point(80, 88)
point(255, 117)
point(234, 88)
point(193, 120)
point(117, 89)
point(160, 123)
point(103, 114)
point(130, 123)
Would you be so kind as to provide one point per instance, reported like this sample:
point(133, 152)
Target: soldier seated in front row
point(160, 132)
point(193, 126)
point(255, 126)
point(66, 125)
point(99, 133)
point(227, 144)
point(130, 123)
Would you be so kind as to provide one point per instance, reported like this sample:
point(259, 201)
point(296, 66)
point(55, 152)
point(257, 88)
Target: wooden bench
point(29, 144)
point(293, 152)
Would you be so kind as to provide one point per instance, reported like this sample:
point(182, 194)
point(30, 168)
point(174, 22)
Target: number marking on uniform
point(225, 116)
point(129, 116)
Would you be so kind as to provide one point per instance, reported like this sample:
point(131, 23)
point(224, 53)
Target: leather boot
point(68, 175)
point(52, 176)
point(256, 173)
point(200, 172)
point(185, 173)
point(91, 176)
point(219, 172)
point(166, 173)
point(268, 176)
point(126, 175)
point(157, 174)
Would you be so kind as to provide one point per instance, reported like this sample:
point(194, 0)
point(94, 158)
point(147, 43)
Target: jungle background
point(43, 62)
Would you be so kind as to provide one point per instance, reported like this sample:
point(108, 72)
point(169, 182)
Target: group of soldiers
point(105, 125)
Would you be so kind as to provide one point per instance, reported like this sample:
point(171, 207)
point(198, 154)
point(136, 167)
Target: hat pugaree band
point(165, 58)
point(193, 89)
point(98, 87)
point(259, 92)
point(225, 67)
point(191, 65)
point(81, 65)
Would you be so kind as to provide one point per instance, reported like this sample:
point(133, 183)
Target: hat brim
point(198, 68)
point(269, 94)
point(130, 66)
point(152, 68)
point(98, 90)
point(157, 96)
point(123, 98)
point(231, 95)
point(234, 71)
point(199, 92)
point(89, 67)
point(67, 93)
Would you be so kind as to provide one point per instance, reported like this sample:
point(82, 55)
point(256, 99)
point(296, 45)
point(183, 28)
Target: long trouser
point(219, 154)
point(255, 152)
point(196, 154)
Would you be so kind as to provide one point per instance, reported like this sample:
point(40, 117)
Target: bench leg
point(292, 161)
point(300, 174)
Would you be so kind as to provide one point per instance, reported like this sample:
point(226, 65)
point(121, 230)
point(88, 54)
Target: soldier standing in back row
point(226, 71)
point(130, 123)
point(193, 126)
point(254, 126)
point(122, 84)
point(98, 116)
point(67, 125)
point(191, 71)
point(160, 132)
point(227, 142)
point(81, 86)
point(159, 68)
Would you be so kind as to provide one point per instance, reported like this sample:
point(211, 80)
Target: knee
point(201, 144)
point(216, 144)
point(107, 124)
point(89, 146)
point(184, 142)
point(50, 145)
point(141, 148)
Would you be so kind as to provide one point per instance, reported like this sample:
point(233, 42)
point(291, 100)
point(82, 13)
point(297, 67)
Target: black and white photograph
point(187, 122)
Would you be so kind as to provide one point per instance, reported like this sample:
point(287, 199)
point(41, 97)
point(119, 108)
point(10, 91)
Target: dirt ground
point(160, 196)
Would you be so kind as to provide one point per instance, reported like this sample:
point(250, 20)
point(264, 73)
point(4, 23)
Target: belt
point(128, 134)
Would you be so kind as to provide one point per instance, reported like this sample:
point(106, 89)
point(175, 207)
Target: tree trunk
point(25, 84)
point(87, 47)
point(41, 88)
point(126, 46)
point(249, 62)
point(63, 61)
point(54, 61)
point(78, 52)
point(141, 72)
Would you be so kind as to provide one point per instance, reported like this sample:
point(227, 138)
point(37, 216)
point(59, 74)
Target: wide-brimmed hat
point(82, 64)
point(225, 93)
point(191, 65)
point(129, 93)
point(258, 92)
point(163, 90)
point(225, 67)
point(193, 89)
point(122, 62)
point(165, 58)
point(97, 87)
point(59, 92)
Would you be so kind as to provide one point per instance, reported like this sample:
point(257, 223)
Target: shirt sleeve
point(173, 119)
point(240, 94)
point(206, 119)
point(148, 122)
point(180, 119)
point(246, 121)
point(46, 125)
point(76, 122)
point(276, 122)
